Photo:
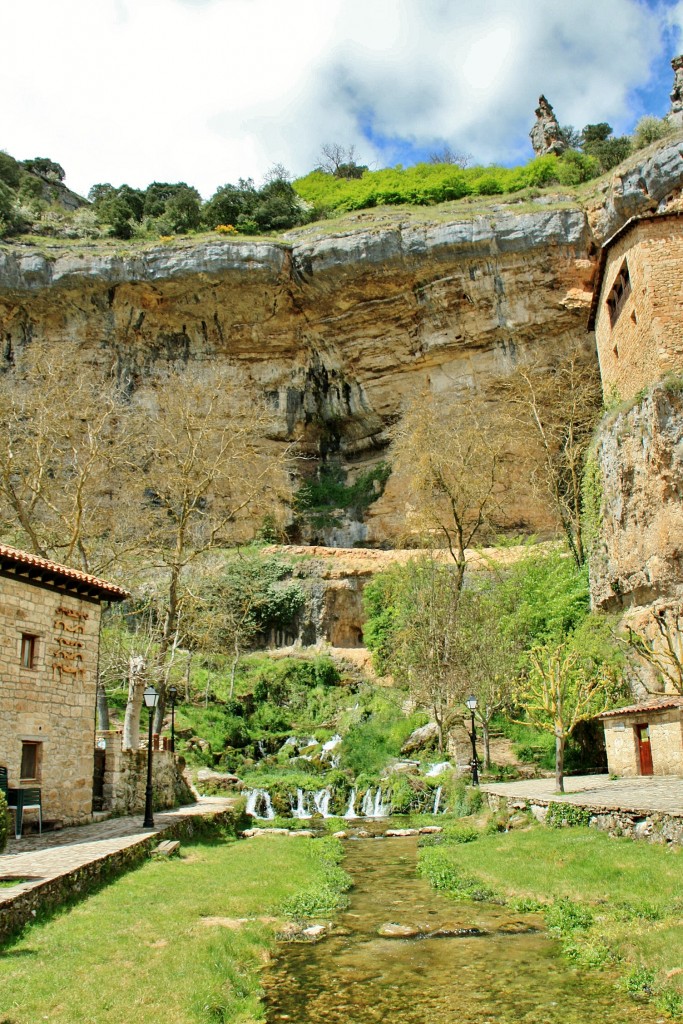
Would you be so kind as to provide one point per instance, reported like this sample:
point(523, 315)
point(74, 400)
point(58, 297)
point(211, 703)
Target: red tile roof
point(669, 700)
point(34, 569)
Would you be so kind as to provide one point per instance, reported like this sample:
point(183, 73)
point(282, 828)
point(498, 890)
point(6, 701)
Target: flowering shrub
point(225, 229)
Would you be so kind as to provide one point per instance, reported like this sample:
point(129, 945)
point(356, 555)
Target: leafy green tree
point(608, 150)
point(10, 170)
point(183, 211)
point(651, 129)
point(229, 202)
point(563, 686)
point(9, 218)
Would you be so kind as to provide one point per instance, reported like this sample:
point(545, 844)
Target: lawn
point(611, 900)
point(145, 948)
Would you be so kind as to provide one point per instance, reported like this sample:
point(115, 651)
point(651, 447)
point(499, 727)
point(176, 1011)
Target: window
point(29, 646)
point(30, 761)
point(621, 289)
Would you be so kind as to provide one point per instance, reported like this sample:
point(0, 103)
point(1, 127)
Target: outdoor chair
point(25, 800)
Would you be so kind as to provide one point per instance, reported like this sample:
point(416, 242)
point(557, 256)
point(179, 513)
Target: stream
point(471, 963)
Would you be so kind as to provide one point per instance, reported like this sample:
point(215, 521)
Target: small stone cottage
point(49, 642)
point(646, 738)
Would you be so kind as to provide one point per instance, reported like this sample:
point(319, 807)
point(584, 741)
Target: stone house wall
point(646, 341)
point(51, 703)
point(666, 742)
point(125, 778)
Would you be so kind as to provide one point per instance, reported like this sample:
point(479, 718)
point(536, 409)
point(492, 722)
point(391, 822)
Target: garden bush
point(4, 822)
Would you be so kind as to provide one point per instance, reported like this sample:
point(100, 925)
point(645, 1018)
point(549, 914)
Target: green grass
point(139, 950)
point(609, 900)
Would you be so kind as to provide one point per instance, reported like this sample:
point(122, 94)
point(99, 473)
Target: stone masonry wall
point(666, 742)
point(646, 341)
point(52, 703)
point(125, 778)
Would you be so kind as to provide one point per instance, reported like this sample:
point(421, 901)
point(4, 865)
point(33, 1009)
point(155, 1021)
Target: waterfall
point(351, 809)
point(258, 804)
point(437, 800)
point(374, 808)
point(321, 800)
point(380, 811)
point(436, 769)
point(301, 809)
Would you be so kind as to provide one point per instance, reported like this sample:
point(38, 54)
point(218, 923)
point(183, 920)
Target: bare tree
point(663, 652)
point(425, 643)
point(206, 470)
point(554, 411)
point(451, 456)
point(64, 455)
point(446, 155)
point(340, 161)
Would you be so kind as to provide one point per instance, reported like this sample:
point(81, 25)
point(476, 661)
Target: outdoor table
point(20, 797)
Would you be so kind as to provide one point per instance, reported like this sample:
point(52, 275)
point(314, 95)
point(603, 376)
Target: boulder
point(430, 830)
point(398, 931)
point(398, 833)
point(218, 780)
point(421, 737)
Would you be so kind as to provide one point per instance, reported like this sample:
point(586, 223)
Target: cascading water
point(351, 809)
point(374, 808)
point(437, 800)
point(326, 752)
point(301, 809)
point(259, 805)
point(437, 769)
point(321, 801)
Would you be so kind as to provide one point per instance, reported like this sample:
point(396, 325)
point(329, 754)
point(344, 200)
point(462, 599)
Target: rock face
point(335, 333)
point(638, 556)
point(545, 135)
point(336, 330)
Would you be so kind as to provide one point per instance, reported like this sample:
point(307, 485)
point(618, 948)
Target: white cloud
point(209, 90)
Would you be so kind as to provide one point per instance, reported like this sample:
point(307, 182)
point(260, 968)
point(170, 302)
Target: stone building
point(646, 738)
point(636, 309)
point(49, 641)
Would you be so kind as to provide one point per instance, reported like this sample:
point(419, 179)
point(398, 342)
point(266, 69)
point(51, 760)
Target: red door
point(644, 749)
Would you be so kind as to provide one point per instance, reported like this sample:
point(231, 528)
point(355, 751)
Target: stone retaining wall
point(655, 826)
point(41, 900)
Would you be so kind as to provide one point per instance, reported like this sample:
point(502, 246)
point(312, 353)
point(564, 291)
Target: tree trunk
point(188, 668)
point(487, 743)
point(102, 707)
point(233, 670)
point(559, 763)
point(136, 686)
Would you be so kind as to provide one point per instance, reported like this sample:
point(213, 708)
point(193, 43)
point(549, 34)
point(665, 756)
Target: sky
point(207, 91)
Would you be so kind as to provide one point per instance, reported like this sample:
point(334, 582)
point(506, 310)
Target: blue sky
point(206, 91)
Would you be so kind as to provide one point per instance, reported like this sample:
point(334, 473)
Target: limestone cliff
point(336, 325)
point(638, 555)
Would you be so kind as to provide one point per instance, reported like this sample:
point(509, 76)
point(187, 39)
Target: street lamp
point(472, 705)
point(151, 699)
point(172, 694)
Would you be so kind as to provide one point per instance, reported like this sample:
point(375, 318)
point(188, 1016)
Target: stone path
point(40, 859)
point(643, 794)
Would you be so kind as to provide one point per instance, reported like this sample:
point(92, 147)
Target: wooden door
point(644, 749)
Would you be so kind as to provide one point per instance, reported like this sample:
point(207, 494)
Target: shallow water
point(508, 973)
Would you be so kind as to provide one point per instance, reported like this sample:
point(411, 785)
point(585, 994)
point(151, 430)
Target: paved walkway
point(42, 858)
point(642, 794)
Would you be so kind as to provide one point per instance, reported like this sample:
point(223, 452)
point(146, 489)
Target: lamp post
point(472, 705)
point(151, 699)
point(172, 694)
